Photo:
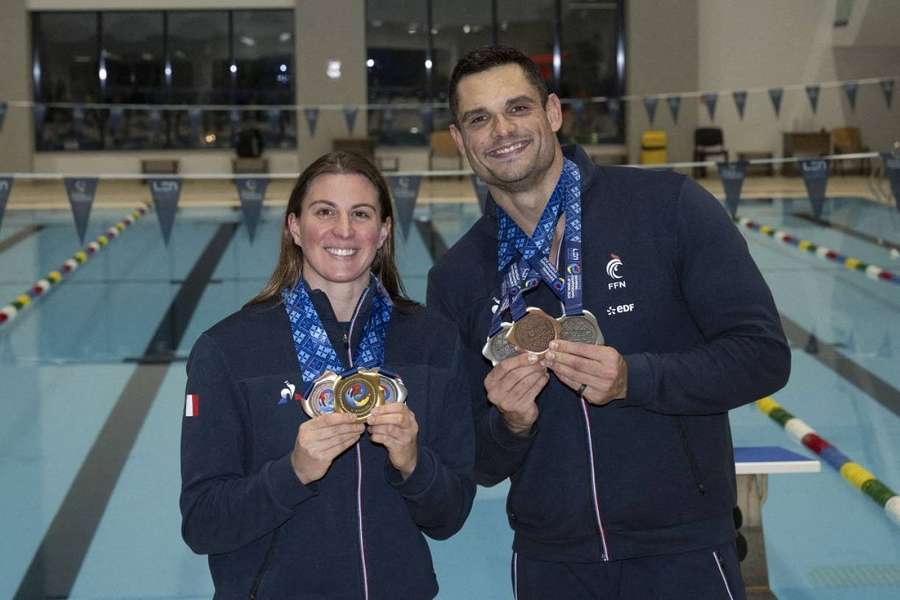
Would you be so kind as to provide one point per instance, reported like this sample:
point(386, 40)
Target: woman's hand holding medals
point(394, 426)
point(319, 441)
point(599, 373)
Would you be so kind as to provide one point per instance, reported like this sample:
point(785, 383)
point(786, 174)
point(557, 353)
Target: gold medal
point(320, 400)
point(359, 393)
point(533, 332)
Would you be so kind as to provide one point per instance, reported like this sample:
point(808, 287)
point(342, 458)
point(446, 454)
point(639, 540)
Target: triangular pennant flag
point(252, 192)
point(710, 101)
point(885, 350)
point(887, 87)
point(732, 176)
point(740, 102)
point(892, 170)
point(116, 116)
point(405, 190)
point(81, 191)
point(2, 114)
point(650, 106)
point(812, 92)
point(165, 192)
point(850, 89)
point(77, 120)
point(815, 176)
point(312, 117)
point(5, 187)
point(195, 117)
point(350, 113)
point(481, 191)
point(674, 103)
point(38, 112)
point(775, 95)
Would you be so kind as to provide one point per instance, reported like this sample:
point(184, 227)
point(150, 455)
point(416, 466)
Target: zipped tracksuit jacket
point(675, 291)
point(358, 531)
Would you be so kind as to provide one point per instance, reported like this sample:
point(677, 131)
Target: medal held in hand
point(356, 392)
point(533, 332)
point(582, 328)
point(497, 347)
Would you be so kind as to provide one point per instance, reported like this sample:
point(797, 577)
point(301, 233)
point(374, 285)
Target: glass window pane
point(67, 49)
point(199, 50)
point(590, 30)
point(397, 43)
point(528, 25)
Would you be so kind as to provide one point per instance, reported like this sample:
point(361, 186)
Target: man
point(618, 450)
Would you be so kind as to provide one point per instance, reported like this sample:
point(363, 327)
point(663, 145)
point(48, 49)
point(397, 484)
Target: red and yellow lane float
point(42, 286)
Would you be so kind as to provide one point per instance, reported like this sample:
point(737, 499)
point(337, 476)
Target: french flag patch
point(192, 405)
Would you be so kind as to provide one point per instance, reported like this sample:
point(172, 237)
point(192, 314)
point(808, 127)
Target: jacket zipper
point(359, 467)
point(257, 579)
point(692, 461)
point(590, 444)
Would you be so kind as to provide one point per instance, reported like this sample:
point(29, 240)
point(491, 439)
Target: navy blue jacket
point(689, 311)
point(355, 533)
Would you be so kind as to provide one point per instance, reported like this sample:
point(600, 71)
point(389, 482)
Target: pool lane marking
point(55, 565)
point(860, 235)
point(19, 236)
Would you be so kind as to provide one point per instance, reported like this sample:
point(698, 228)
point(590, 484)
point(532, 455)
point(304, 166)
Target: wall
point(661, 52)
point(16, 136)
point(770, 43)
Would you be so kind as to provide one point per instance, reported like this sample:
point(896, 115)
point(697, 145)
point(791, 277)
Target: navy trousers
point(708, 574)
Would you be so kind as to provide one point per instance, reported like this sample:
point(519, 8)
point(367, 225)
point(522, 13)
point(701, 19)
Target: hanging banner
point(2, 114)
point(892, 170)
point(165, 192)
point(887, 86)
point(405, 190)
point(775, 95)
point(650, 106)
point(350, 113)
point(81, 192)
point(710, 101)
point(252, 192)
point(812, 92)
point(481, 191)
point(740, 102)
point(195, 118)
point(732, 176)
point(312, 117)
point(850, 89)
point(5, 187)
point(116, 116)
point(674, 103)
point(815, 176)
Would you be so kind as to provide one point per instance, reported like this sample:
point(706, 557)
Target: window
point(208, 57)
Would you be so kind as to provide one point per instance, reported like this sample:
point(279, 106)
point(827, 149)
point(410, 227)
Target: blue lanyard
point(314, 351)
point(534, 265)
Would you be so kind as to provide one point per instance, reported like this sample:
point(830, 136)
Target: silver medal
point(581, 328)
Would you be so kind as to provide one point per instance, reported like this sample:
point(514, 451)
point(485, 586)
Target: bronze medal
point(359, 393)
point(581, 328)
point(320, 400)
point(533, 332)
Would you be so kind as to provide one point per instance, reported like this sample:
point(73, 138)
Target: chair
point(443, 146)
point(654, 147)
point(846, 140)
point(708, 142)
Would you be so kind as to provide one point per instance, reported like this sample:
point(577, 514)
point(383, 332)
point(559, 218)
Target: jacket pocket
point(263, 567)
point(692, 460)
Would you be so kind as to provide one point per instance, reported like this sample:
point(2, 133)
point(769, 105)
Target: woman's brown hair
point(290, 258)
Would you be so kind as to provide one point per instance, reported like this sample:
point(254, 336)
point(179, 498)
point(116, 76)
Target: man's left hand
point(600, 368)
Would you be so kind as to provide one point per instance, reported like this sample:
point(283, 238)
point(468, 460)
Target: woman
point(288, 506)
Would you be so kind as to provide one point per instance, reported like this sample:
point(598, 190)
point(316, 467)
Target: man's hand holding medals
point(571, 345)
